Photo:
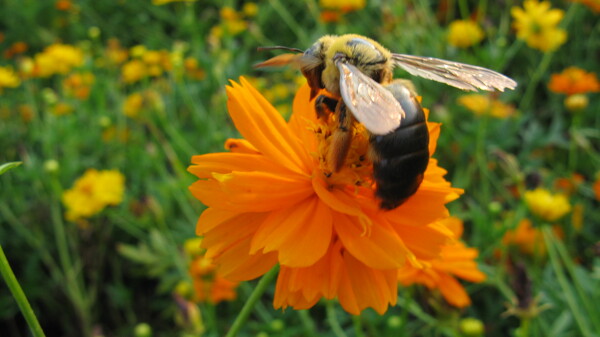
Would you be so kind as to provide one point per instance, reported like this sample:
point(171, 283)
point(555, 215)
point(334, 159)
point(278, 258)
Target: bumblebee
point(358, 73)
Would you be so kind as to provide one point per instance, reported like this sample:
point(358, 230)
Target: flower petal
point(453, 291)
point(251, 191)
point(362, 287)
point(300, 234)
point(207, 164)
point(379, 248)
point(259, 123)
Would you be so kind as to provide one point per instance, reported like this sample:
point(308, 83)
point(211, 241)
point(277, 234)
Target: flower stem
point(358, 329)
point(262, 285)
point(533, 82)
point(333, 321)
point(19, 295)
point(567, 290)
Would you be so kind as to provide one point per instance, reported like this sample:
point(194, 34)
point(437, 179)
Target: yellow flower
point(455, 260)
point(115, 54)
point(132, 105)
point(344, 6)
point(537, 24)
point(8, 78)
point(250, 9)
point(61, 109)
point(464, 33)
point(92, 192)
point(164, 2)
point(485, 105)
point(133, 71)
point(192, 69)
point(273, 200)
point(547, 206)
point(57, 59)
point(576, 102)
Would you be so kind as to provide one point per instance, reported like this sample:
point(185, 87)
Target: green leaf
point(8, 166)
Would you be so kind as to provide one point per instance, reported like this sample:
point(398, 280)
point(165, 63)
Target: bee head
point(313, 64)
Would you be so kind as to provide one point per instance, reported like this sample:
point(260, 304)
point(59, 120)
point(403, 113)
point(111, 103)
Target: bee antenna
point(280, 48)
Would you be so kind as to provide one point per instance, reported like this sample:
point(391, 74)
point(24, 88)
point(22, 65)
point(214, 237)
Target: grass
point(122, 267)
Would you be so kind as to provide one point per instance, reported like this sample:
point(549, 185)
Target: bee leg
point(340, 138)
point(324, 106)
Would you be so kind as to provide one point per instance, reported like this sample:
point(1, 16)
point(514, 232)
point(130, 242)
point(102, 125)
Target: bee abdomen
point(400, 158)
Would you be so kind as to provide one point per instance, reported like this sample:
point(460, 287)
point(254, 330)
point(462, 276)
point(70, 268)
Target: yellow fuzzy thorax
point(363, 53)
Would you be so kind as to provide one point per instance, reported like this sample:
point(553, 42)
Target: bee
point(358, 74)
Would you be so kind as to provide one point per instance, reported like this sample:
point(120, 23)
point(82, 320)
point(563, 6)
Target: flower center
point(357, 168)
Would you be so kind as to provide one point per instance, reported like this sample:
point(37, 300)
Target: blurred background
point(105, 102)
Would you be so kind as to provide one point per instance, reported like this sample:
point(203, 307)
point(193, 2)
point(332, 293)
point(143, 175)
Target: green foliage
point(122, 267)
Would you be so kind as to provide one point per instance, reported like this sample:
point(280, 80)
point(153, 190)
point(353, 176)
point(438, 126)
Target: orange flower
point(270, 201)
point(208, 285)
point(596, 187)
point(594, 5)
point(574, 80)
point(455, 260)
point(529, 239)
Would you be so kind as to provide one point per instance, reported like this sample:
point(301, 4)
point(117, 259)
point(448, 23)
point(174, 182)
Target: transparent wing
point(370, 103)
point(460, 75)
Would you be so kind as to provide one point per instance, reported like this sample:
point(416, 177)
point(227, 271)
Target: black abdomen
point(401, 156)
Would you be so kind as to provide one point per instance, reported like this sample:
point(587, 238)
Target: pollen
point(357, 167)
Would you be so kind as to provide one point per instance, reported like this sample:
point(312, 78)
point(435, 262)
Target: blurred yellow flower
point(8, 78)
point(115, 54)
point(192, 69)
point(133, 71)
point(136, 102)
point(574, 80)
point(547, 206)
point(92, 192)
point(344, 6)
point(250, 9)
point(576, 102)
point(164, 2)
point(133, 104)
point(536, 23)
point(57, 59)
point(485, 105)
point(464, 33)
point(61, 109)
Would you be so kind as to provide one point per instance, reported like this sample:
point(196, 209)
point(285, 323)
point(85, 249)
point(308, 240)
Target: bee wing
point(460, 75)
point(370, 103)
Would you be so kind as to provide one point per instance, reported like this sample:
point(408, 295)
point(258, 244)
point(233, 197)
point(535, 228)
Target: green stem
point(567, 291)
point(307, 323)
point(573, 147)
point(249, 305)
point(358, 330)
point(533, 82)
point(333, 321)
point(577, 283)
point(19, 295)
